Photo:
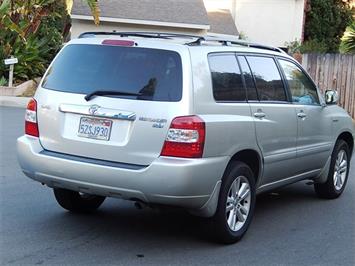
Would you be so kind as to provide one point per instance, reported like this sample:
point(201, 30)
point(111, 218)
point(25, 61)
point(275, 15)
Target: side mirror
point(331, 97)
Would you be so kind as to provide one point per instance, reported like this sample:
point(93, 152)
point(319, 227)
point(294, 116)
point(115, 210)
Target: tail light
point(186, 137)
point(31, 126)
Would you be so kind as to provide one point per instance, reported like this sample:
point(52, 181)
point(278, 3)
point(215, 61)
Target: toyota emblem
point(93, 109)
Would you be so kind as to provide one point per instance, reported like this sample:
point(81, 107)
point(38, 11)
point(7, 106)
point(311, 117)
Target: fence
point(334, 71)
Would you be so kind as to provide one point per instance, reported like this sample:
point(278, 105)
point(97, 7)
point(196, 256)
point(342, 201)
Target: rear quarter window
point(155, 73)
point(227, 81)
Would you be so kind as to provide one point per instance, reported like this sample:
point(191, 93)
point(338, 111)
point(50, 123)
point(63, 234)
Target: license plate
point(94, 128)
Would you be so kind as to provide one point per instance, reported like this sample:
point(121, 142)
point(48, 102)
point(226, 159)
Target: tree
point(11, 11)
point(326, 23)
point(33, 31)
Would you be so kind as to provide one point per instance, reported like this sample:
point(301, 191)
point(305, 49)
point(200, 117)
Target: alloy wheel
point(340, 170)
point(238, 203)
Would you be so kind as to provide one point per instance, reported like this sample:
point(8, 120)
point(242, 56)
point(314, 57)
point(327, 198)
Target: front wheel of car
point(338, 172)
point(77, 202)
point(236, 204)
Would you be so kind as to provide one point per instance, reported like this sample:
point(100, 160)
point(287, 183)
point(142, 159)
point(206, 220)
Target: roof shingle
point(221, 21)
point(176, 11)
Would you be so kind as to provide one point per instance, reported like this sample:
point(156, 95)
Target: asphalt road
point(291, 227)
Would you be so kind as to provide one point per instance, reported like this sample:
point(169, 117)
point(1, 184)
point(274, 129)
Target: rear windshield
point(153, 73)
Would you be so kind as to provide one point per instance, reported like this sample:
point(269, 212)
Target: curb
point(11, 101)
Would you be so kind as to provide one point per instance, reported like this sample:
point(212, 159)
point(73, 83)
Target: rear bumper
point(188, 183)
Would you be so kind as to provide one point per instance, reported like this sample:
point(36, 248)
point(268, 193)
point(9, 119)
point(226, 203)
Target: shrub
point(314, 46)
point(3, 81)
point(325, 24)
point(293, 47)
point(307, 47)
point(33, 31)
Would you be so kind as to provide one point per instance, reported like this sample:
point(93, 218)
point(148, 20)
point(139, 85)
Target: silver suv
point(196, 122)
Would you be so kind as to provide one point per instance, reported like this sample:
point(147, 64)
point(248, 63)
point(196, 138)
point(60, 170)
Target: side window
point(267, 78)
point(248, 78)
point(226, 78)
point(302, 89)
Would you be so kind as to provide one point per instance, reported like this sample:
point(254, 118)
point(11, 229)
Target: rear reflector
point(186, 138)
point(118, 42)
point(31, 126)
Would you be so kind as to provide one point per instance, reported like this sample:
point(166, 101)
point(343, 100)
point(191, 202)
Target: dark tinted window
point(248, 77)
point(157, 74)
point(302, 89)
point(226, 78)
point(267, 78)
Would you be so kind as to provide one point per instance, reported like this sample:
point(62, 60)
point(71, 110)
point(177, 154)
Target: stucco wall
point(79, 26)
point(270, 21)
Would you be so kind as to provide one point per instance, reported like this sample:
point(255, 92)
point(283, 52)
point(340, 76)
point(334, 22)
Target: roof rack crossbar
point(198, 41)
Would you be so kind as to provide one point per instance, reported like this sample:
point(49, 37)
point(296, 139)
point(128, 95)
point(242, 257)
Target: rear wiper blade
point(89, 96)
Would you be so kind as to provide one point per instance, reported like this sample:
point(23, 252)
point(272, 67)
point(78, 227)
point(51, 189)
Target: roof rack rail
point(143, 34)
point(197, 40)
point(227, 42)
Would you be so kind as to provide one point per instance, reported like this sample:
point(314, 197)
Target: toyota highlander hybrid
point(201, 123)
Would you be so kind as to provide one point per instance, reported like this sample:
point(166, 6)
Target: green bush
point(307, 47)
point(33, 31)
point(325, 24)
point(3, 81)
point(33, 34)
point(293, 47)
point(313, 46)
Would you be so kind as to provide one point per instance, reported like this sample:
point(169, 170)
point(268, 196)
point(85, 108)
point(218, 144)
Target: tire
point(224, 229)
point(338, 172)
point(76, 202)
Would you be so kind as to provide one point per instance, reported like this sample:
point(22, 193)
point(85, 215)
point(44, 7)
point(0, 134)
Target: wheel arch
point(348, 138)
point(250, 157)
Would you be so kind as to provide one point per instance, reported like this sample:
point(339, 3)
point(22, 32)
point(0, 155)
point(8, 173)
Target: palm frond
point(93, 5)
point(348, 40)
point(95, 10)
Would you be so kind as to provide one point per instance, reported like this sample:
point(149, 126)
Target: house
point(273, 22)
point(178, 16)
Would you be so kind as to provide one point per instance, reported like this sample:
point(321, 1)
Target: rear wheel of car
point(77, 202)
point(338, 172)
point(236, 204)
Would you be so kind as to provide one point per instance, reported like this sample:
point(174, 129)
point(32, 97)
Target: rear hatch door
point(140, 92)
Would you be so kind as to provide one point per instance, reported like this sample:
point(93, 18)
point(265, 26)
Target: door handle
point(301, 115)
point(259, 114)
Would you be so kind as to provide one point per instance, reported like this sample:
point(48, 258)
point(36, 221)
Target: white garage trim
point(144, 22)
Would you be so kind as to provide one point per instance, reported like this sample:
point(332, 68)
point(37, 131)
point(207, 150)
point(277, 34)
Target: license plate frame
point(95, 128)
